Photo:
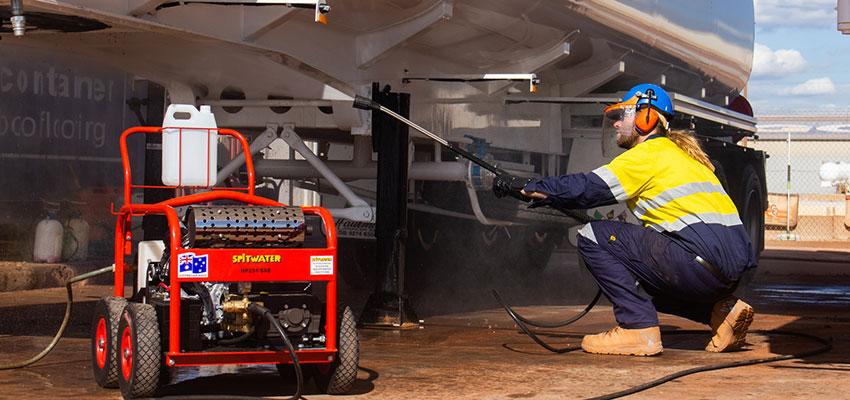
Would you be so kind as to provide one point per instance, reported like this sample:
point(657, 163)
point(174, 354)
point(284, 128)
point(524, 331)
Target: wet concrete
point(472, 350)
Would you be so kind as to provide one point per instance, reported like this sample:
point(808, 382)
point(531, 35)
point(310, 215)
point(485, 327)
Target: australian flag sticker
point(191, 265)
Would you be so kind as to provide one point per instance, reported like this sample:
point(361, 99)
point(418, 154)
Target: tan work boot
point(625, 342)
point(730, 319)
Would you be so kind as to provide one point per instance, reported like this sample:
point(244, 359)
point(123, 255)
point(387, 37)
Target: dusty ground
point(477, 353)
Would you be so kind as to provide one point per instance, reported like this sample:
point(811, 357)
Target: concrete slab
point(470, 355)
point(468, 348)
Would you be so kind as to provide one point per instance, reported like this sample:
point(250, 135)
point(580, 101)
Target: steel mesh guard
point(240, 226)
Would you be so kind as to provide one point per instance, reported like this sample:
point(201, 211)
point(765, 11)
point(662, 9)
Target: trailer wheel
point(104, 336)
point(720, 173)
point(339, 376)
point(140, 353)
point(537, 250)
point(752, 216)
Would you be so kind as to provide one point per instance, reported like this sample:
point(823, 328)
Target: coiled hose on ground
point(522, 323)
point(65, 319)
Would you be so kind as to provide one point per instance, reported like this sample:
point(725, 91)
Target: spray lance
point(505, 183)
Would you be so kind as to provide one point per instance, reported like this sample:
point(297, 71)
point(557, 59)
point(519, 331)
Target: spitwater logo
point(191, 265)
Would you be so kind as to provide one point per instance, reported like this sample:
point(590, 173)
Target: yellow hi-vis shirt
point(667, 189)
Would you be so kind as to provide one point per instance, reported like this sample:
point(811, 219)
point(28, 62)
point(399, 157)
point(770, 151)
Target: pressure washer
point(236, 276)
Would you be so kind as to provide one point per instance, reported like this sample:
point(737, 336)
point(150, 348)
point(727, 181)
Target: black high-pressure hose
point(537, 324)
point(65, 319)
point(518, 320)
point(521, 323)
point(826, 346)
point(261, 311)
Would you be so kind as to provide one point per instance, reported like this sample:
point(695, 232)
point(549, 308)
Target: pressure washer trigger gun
point(509, 185)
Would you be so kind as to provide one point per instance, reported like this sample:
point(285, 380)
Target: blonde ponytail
point(687, 142)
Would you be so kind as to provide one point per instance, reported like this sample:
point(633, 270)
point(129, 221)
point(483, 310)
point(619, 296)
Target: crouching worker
point(691, 250)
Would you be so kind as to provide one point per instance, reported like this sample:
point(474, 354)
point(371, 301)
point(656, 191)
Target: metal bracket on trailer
point(532, 79)
point(681, 104)
point(705, 110)
point(260, 142)
point(360, 210)
point(321, 6)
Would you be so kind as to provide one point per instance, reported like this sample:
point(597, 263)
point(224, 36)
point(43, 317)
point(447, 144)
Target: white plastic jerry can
point(189, 155)
point(48, 241)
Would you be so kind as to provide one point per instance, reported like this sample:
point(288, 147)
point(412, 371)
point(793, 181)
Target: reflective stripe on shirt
point(642, 206)
point(613, 183)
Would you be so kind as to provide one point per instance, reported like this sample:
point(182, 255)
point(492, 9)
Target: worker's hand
point(534, 195)
point(510, 185)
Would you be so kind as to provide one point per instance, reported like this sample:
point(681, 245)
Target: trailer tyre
point(104, 337)
point(140, 355)
point(753, 212)
point(720, 173)
point(339, 376)
point(752, 216)
point(537, 250)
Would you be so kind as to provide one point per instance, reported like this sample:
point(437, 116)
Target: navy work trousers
point(622, 256)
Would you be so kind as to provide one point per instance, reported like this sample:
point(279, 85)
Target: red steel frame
point(295, 264)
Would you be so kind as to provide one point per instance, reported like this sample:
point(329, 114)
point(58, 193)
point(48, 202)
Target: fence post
point(787, 235)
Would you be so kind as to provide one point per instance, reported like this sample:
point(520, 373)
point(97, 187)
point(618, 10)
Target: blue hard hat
point(652, 95)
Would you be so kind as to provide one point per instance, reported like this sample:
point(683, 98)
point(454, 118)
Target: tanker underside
point(404, 207)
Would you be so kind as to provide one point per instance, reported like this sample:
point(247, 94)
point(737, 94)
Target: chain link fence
point(807, 179)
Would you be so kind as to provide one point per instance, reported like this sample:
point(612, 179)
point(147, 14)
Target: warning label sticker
point(321, 265)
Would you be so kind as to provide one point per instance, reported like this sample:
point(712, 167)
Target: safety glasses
point(616, 119)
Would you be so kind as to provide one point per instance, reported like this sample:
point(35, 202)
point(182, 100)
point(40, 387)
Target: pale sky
point(801, 62)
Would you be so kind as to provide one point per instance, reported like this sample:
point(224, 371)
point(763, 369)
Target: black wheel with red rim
point(140, 355)
point(104, 339)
